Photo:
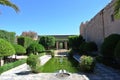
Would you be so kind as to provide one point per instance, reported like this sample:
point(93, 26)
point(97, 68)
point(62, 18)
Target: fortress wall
point(101, 25)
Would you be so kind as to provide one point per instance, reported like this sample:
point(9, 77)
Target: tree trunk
point(1, 61)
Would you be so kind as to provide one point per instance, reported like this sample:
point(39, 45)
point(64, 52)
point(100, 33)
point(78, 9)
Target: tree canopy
point(47, 41)
point(35, 48)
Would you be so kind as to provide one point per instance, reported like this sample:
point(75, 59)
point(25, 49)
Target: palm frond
point(8, 3)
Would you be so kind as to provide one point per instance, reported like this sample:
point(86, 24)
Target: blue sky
point(49, 17)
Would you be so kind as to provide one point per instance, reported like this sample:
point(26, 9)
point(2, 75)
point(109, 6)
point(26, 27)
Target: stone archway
point(61, 44)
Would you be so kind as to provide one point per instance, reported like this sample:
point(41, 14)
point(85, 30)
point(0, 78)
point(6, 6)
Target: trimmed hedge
point(25, 41)
point(11, 65)
point(117, 52)
point(108, 46)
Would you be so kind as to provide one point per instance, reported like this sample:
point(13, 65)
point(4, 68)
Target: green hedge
point(11, 65)
point(9, 36)
point(117, 52)
point(108, 46)
point(75, 42)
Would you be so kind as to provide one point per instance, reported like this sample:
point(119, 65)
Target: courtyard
point(49, 72)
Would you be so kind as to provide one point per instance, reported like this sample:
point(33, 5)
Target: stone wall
point(101, 25)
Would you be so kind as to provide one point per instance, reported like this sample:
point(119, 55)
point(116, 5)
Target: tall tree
point(47, 41)
point(10, 4)
point(117, 9)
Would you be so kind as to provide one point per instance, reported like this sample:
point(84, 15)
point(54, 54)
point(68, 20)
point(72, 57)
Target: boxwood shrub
point(87, 63)
point(34, 62)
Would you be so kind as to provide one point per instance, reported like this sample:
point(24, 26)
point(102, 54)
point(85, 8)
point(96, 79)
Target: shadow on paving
point(24, 73)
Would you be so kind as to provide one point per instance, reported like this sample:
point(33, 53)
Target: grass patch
point(56, 63)
point(8, 66)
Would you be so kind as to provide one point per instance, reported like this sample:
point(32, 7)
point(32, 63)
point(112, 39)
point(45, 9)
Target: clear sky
point(49, 17)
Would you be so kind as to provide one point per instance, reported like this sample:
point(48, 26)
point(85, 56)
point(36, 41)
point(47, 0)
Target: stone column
point(65, 43)
point(57, 45)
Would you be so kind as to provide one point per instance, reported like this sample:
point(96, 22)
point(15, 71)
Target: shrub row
point(11, 65)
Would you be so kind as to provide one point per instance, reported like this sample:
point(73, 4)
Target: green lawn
point(58, 63)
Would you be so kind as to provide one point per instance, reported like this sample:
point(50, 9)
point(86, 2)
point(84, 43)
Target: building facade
point(101, 25)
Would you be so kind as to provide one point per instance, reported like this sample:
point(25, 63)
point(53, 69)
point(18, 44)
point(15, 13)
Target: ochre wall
point(101, 25)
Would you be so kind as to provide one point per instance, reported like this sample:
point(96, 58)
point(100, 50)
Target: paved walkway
point(102, 72)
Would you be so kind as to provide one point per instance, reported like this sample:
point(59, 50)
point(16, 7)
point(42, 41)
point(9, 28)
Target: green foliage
point(87, 63)
point(52, 53)
point(117, 9)
point(47, 41)
point(6, 49)
point(117, 51)
point(71, 53)
point(10, 4)
point(109, 44)
point(9, 36)
point(19, 49)
point(90, 47)
point(35, 48)
point(82, 48)
point(11, 65)
point(34, 62)
point(25, 41)
point(75, 41)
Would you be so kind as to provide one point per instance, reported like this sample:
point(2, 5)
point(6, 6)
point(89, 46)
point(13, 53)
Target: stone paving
point(101, 72)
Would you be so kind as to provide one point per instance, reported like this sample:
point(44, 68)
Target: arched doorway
point(61, 44)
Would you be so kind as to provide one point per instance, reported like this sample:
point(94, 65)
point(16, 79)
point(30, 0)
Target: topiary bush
point(34, 62)
point(87, 63)
point(108, 46)
point(117, 52)
point(19, 49)
point(6, 49)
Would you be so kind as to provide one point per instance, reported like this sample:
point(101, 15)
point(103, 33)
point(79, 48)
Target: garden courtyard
point(51, 67)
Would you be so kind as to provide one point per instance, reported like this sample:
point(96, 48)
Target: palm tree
point(8, 3)
point(117, 9)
